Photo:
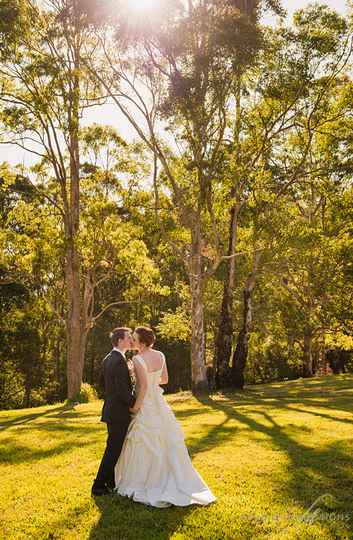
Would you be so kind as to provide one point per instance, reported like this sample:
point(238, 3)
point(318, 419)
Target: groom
point(118, 394)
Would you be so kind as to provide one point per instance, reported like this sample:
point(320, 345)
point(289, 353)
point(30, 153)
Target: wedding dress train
point(154, 466)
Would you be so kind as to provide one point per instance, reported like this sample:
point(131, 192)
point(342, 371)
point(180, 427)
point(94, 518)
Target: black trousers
point(115, 440)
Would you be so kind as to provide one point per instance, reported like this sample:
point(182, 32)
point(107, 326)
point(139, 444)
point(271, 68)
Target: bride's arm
point(164, 374)
point(141, 383)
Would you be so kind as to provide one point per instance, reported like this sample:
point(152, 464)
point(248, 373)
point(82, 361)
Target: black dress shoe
point(97, 492)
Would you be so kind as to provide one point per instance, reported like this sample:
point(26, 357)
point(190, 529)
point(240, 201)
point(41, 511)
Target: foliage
point(87, 394)
point(232, 114)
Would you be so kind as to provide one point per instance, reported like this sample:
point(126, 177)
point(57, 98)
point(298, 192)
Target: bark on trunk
point(223, 342)
point(57, 357)
point(198, 368)
point(241, 351)
point(27, 394)
point(74, 352)
point(74, 326)
point(307, 355)
point(224, 338)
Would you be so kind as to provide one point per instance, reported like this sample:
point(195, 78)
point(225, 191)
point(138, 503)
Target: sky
point(107, 114)
point(291, 6)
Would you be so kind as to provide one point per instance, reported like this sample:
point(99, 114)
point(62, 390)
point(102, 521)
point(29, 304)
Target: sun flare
point(140, 7)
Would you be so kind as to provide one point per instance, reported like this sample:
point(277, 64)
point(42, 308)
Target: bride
point(154, 466)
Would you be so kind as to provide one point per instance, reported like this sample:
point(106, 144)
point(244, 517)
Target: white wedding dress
point(154, 466)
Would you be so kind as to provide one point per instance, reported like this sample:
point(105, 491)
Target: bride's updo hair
point(145, 335)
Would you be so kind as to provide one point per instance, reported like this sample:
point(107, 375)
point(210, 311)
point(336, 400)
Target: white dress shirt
point(121, 352)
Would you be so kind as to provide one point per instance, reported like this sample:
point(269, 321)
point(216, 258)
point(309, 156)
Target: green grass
point(267, 453)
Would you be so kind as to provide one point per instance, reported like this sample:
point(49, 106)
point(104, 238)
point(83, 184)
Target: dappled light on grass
point(267, 457)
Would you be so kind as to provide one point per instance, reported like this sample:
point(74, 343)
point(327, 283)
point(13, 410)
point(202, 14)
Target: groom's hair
point(118, 333)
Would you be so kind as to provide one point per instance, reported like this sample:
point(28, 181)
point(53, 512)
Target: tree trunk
point(198, 369)
point(224, 338)
point(84, 338)
point(56, 358)
point(307, 354)
point(223, 342)
point(75, 353)
point(316, 357)
point(27, 394)
point(73, 326)
point(241, 351)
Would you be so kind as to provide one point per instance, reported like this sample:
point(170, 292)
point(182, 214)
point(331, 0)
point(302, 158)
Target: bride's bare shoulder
point(158, 352)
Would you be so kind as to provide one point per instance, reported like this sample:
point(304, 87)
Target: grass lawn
point(268, 454)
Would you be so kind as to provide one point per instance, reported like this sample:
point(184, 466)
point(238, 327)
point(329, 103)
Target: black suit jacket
point(118, 392)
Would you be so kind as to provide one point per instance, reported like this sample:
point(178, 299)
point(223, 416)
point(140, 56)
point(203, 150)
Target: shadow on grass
point(62, 411)
point(12, 452)
point(219, 434)
point(122, 519)
point(61, 434)
point(185, 414)
point(312, 471)
point(329, 393)
point(24, 419)
point(319, 414)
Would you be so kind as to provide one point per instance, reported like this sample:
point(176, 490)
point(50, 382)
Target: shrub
point(86, 394)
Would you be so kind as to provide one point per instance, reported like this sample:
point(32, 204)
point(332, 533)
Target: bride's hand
point(133, 410)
